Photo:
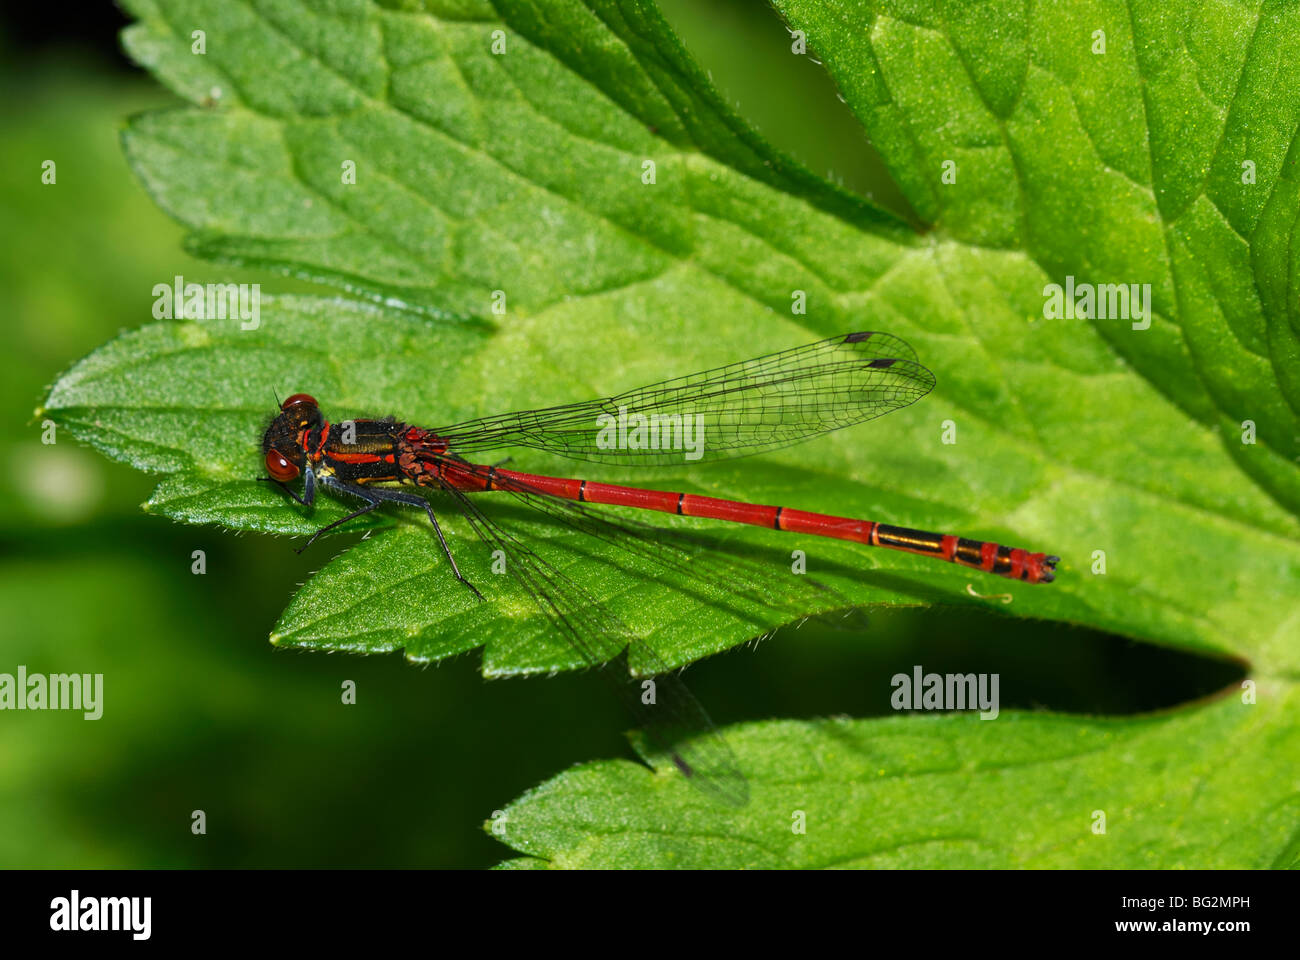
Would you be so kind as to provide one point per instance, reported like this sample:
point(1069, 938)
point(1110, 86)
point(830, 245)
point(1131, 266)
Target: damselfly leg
point(373, 498)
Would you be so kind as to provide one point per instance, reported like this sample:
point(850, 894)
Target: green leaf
point(523, 173)
point(191, 400)
point(1024, 791)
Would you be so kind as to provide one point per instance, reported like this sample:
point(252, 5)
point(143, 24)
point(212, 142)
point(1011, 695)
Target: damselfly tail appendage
point(1010, 562)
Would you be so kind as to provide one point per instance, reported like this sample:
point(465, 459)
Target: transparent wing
point(674, 720)
point(731, 411)
point(710, 575)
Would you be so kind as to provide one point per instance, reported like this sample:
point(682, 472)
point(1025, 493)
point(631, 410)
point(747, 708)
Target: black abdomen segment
point(980, 554)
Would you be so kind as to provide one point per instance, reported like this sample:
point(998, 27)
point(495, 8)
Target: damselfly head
point(286, 439)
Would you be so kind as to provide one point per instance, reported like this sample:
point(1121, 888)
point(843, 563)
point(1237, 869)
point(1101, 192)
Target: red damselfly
point(731, 411)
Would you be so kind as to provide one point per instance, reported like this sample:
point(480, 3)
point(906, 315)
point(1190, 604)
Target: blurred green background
point(200, 711)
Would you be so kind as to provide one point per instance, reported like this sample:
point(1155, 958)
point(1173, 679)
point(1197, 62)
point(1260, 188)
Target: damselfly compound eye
point(299, 399)
point(279, 467)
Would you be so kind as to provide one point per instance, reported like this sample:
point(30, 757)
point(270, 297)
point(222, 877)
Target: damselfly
point(731, 411)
